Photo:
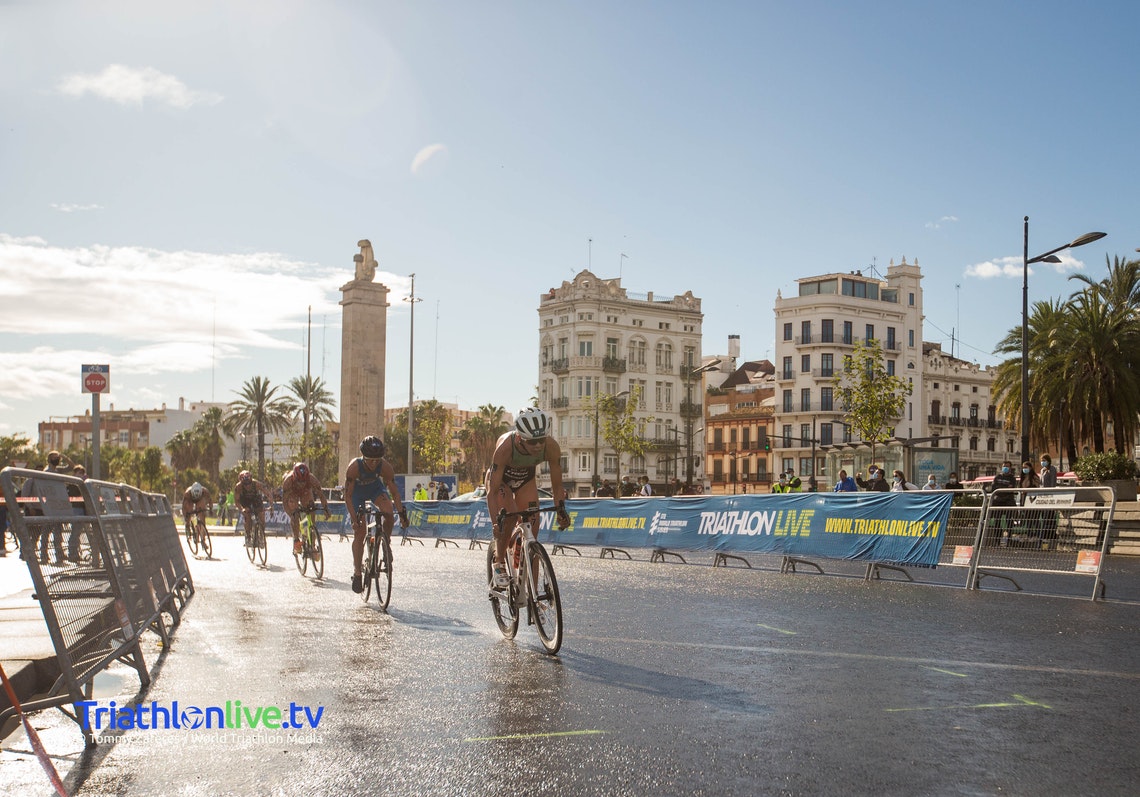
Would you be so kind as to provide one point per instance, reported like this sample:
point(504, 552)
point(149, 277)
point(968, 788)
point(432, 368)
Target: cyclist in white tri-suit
point(511, 484)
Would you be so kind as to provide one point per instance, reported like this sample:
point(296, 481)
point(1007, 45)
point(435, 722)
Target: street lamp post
point(1047, 257)
point(692, 372)
point(597, 410)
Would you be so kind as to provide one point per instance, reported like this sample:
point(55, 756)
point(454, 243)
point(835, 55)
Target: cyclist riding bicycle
point(370, 477)
point(298, 492)
point(247, 495)
point(195, 501)
point(510, 479)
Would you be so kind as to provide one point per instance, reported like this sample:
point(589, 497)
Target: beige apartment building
point(597, 337)
point(814, 330)
point(960, 413)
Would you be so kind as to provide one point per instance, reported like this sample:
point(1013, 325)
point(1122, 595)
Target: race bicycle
point(311, 549)
point(377, 558)
point(197, 535)
point(532, 583)
point(257, 547)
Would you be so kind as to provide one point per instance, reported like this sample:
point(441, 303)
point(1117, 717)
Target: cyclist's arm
point(554, 459)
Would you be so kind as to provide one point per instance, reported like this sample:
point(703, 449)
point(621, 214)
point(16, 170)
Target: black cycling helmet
point(372, 447)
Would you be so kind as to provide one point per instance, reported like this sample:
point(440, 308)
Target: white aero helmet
point(532, 423)
point(196, 491)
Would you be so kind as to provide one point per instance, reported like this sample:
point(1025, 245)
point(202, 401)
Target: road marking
point(1021, 701)
point(829, 654)
point(947, 672)
point(532, 735)
point(777, 630)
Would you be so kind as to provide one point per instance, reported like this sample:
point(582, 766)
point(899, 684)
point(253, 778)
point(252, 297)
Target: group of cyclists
point(510, 484)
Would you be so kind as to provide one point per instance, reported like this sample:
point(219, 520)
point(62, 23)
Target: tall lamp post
point(1047, 257)
point(411, 299)
point(597, 410)
point(689, 417)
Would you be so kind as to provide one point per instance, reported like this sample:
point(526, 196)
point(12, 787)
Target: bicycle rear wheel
point(262, 544)
point(384, 574)
point(207, 543)
point(545, 600)
point(502, 606)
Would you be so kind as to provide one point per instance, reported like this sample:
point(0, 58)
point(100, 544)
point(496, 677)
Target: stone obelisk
point(364, 324)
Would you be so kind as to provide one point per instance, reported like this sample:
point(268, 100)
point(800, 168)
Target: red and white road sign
point(96, 378)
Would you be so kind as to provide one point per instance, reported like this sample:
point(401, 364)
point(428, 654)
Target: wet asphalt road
point(673, 679)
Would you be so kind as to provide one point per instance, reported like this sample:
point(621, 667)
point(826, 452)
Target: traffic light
point(767, 444)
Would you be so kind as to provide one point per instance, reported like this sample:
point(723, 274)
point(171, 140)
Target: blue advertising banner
point(900, 528)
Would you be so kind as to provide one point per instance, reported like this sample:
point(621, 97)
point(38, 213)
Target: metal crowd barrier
point(106, 563)
point(1056, 531)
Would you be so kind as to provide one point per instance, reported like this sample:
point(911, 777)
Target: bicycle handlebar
point(526, 513)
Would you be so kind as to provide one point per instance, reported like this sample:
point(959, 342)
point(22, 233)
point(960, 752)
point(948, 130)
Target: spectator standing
point(795, 485)
point(628, 488)
point(1004, 480)
point(901, 485)
point(952, 483)
point(442, 493)
point(606, 490)
point(931, 483)
point(845, 484)
point(875, 482)
point(782, 485)
point(420, 493)
point(1048, 474)
point(646, 488)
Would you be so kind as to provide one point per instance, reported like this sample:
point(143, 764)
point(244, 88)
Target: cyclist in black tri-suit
point(247, 494)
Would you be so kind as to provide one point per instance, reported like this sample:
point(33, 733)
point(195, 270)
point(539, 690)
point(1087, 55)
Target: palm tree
point(314, 403)
point(259, 410)
point(477, 439)
point(208, 431)
point(183, 450)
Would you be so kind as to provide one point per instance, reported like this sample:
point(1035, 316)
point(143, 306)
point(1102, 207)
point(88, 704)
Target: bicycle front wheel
point(301, 559)
point(545, 602)
point(369, 574)
point(251, 543)
point(191, 539)
point(262, 545)
point(317, 553)
point(506, 614)
point(384, 574)
point(207, 543)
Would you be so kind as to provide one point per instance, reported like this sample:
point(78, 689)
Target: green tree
point(208, 432)
point(314, 403)
point(477, 440)
point(183, 450)
point(432, 437)
point(15, 448)
point(872, 400)
point(622, 430)
point(259, 410)
point(396, 442)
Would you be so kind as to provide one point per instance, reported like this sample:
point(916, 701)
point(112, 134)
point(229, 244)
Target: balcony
point(691, 408)
point(560, 403)
point(560, 366)
point(936, 419)
point(786, 375)
point(664, 368)
point(613, 365)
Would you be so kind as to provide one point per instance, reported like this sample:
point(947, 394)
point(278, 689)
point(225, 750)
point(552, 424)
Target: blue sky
point(182, 181)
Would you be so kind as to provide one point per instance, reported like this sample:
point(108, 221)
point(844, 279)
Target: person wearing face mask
point(1000, 521)
point(900, 484)
point(931, 483)
point(875, 482)
point(1048, 473)
point(1048, 520)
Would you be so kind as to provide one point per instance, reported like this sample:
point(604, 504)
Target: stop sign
point(94, 382)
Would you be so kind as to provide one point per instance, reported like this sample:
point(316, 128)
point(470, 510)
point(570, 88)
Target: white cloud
point(1014, 266)
point(937, 225)
point(130, 86)
point(426, 154)
point(151, 312)
point(67, 207)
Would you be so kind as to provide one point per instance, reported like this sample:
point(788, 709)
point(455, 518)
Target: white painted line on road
point(777, 630)
point(946, 672)
point(532, 735)
point(831, 654)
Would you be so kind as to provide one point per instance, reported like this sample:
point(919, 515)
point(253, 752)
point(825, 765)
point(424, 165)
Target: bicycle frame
point(528, 564)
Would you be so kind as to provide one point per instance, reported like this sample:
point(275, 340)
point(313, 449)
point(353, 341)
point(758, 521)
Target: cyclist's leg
point(293, 510)
point(359, 531)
